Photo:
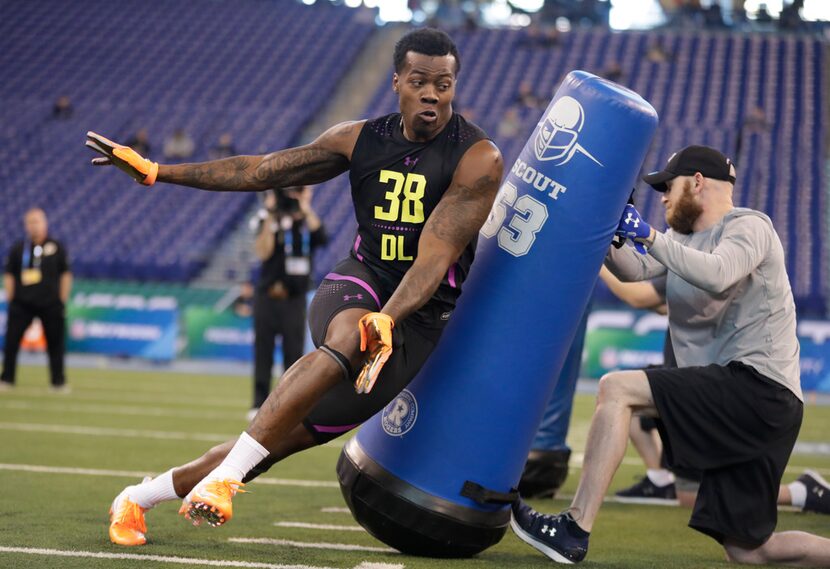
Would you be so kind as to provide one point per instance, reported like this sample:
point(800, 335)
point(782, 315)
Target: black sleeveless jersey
point(395, 186)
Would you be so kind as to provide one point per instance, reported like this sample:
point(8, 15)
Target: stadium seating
point(259, 70)
point(702, 95)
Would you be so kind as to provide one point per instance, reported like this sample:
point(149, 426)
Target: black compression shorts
point(739, 427)
point(351, 284)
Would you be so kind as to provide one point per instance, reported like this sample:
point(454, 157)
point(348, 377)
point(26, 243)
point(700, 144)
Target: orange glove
point(376, 337)
point(141, 169)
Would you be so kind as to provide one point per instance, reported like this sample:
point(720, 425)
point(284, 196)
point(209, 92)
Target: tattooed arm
point(322, 160)
point(452, 225)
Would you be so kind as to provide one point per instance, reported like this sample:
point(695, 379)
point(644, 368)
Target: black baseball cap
point(687, 162)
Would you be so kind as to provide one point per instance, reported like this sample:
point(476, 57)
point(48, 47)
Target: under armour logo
point(408, 161)
point(550, 530)
point(347, 298)
point(631, 219)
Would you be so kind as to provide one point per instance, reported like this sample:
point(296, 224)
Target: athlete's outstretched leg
point(301, 387)
point(127, 523)
point(275, 433)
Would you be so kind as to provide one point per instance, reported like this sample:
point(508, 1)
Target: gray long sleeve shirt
point(727, 292)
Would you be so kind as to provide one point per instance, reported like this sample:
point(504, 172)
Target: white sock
point(798, 493)
point(244, 455)
point(660, 476)
point(149, 494)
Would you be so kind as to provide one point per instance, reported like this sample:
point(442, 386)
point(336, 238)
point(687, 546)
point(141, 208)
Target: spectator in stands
point(690, 12)
point(224, 147)
point(37, 282)
point(657, 53)
point(510, 124)
point(613, 72)
point(243, 304)
point(140, 142)
point(180, 146)
point(713, 16)
point(790, 18)
point(528, 98)
point(756, 120)
point(540, 35)
point(754, 123)
point(63, 109)
point(739, 18)
point(763, 15)
point(287, 234)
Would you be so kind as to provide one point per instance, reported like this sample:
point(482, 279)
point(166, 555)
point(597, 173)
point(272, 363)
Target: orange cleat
point(127, 525)
point(210, 501)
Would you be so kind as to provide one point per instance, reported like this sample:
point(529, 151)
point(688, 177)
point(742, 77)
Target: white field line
point(820, 448)
point(335, 510)
point(312, 545)
point(138, 474)
point(128, 433)
point(154, 558)
point(112, 432)
point(123, 395)
point(327, 527)
point(116, 410)
point(370, 565)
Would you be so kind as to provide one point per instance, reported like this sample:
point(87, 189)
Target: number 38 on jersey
point(403, 202)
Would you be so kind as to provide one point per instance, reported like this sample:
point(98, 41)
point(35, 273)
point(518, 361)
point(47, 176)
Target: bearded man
point(733, 406)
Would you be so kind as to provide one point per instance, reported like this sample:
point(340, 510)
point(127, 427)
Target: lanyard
point(289, 241)
point(27, 255)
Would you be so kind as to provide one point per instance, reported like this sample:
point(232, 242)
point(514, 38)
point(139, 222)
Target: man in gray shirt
point(734, 406)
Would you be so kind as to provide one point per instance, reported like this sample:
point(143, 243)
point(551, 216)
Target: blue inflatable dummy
point(433, 473)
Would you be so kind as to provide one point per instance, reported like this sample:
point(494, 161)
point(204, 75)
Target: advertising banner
point(222, 335)
point(123, 325)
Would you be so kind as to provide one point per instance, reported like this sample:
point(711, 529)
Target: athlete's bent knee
point(341, 360)
point(343, 335)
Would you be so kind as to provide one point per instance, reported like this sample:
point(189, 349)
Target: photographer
point(288, 232)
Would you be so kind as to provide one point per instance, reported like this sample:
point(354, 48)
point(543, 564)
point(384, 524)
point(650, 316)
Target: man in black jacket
point(37, 282)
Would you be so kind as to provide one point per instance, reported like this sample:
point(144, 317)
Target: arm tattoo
point(309, 164)
point(219, 175)
point(300, 166)
point(461, 213)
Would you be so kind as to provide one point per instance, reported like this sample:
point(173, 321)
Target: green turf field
point(146, 422)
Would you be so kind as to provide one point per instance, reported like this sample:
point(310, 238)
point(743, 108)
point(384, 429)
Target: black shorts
point(351, 284)
point(737, 426)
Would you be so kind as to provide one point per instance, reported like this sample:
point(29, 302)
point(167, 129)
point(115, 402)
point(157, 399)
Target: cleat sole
point(201, 512)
